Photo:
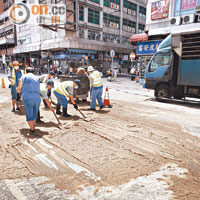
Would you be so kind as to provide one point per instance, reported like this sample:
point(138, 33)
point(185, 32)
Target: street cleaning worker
point(96, 88)
point(44, 87)
point(29, 85)
point(16, 74)
point(64, 90)
point(43, 79)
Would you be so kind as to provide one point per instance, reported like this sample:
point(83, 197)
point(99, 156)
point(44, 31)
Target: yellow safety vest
point(96, 79)
point(13, 75)
point(63, 87)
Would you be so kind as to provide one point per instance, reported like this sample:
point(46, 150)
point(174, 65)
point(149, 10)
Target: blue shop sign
point(147, 48)
point(68, 56)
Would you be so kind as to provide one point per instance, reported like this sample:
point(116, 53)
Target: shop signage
point(160, 9)
point(125, 57)
point(68, 56)
point(188, 4)
point(147, 48)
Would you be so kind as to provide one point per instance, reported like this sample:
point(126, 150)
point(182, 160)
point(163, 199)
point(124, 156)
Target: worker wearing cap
point(64, 90)
point(96, 88)
point(43, 79)
point(29, 86)
point(16, 74)
point(44, 87)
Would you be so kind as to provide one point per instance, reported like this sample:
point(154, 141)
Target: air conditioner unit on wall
point(112, 25)
point(112, 5)
point(117, 7)
point(116, 25)
point(188, 19)
point(197, 9)
point(133, 30)
point(133, 12)
point(125, 28)
point(174, 21)
point(129, 11)
point(129, 29)
point(198, 18)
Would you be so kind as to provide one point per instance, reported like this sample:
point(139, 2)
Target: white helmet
point(90, 68)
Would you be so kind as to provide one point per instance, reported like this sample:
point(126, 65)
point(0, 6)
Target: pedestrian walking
point(44, 88)
point(115, 71)
point(64, 90)
point(96, 87)
point(29, 86)
point(16, 74)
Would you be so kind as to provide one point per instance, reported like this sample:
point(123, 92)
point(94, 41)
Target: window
point(93, 16)
point(141, 28)
point(184, 7)
point(94, 35)
point(96, 1)
point(107, 37)
point(129, 26)
point(130, 8)
point(81, 13)
point(81, 33)
point(159, 60)
point(142, 12)
point(111, 21)
point(115, 4)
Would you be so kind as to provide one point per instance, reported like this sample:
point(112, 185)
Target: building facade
point(164, 17)
point(168, 16)
point(7, 33)
point(97, 26)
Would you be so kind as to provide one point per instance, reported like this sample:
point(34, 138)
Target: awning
point(139, 37)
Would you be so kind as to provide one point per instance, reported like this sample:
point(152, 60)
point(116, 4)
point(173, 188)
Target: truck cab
point(174, 70)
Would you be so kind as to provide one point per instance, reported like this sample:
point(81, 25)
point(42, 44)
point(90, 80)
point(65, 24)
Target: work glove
point(75, 106)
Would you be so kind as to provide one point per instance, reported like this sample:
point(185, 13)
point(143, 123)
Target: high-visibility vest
point(63, 88)
point(13, 76)
point(96, 79)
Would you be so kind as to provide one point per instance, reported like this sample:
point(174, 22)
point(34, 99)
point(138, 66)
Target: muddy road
point(139, 149)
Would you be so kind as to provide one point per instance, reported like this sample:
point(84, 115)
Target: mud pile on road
point(109, 148)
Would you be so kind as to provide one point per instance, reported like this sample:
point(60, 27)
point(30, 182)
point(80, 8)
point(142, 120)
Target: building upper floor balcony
point(4, 41)
point(7, 35)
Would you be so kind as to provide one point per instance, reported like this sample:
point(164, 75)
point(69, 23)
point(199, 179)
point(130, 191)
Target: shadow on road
point(185, 103)
point(38, 133)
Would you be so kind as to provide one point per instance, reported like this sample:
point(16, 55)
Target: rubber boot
point(18, 97)
point(45, 104)
point(58, 110)
point(38, 120)
point(65, 114)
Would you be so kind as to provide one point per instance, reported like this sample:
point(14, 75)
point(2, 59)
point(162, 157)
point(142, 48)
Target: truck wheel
point(178, 93)
point(162, 91)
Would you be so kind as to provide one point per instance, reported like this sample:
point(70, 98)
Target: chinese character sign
point(188, 4)
point(147, 48)
point(159, 9)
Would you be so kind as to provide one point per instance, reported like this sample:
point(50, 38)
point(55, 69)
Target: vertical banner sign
point(188, 4)
point(160, 9)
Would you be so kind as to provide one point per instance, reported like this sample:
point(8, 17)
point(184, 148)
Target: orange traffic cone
point(106, 99)
point(3, 83)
